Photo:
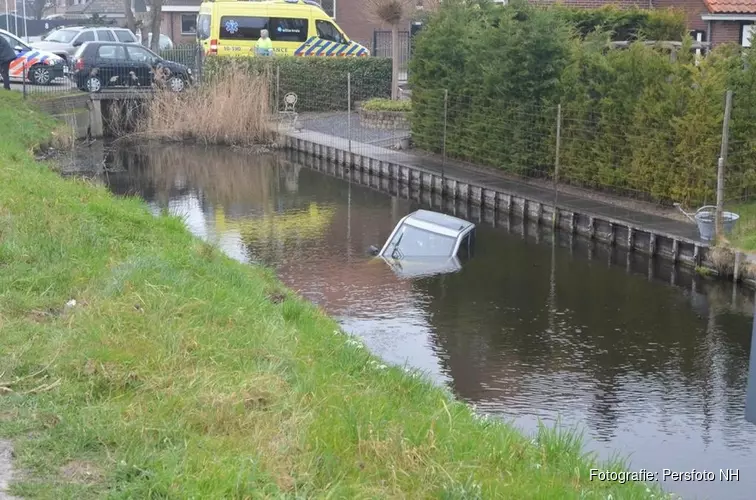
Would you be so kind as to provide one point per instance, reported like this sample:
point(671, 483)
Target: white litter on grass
point(71, 303)
point(378, 365)
point(355, 343)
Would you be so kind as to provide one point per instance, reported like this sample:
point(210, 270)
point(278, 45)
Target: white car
point(165, 42)
point(36, 66)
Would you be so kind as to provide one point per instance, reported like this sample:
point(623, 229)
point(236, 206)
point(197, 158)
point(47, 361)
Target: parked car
point(65, 41)
point(41, 67)
point(97, 65)
point(165, 42)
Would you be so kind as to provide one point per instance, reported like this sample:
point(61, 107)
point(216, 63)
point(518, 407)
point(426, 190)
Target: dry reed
point(233, 108)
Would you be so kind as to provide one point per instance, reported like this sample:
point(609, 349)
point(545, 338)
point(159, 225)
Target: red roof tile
point(731, 6)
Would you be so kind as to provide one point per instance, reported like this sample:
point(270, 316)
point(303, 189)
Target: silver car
point(426, 242)
point(65, 41)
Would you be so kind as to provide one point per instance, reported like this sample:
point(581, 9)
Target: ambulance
point(35, 66)
point(296, 28)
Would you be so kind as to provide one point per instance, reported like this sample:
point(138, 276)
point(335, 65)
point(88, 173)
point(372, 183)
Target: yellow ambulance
point(296, 28)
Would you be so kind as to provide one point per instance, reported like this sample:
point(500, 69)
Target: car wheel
point(94, 84)
point(176, 83)
point(41, 75)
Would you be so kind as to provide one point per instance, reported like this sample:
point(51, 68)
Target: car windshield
point(62, 36)
point(15, 42)
point(411, 241)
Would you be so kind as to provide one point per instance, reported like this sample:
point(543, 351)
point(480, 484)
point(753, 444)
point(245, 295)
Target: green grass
point(379, 104)
point(180, 373)
point(744, 233)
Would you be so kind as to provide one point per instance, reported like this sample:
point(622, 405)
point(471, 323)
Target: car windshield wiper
point(396, 253)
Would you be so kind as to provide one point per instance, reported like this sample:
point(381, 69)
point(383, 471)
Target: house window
point(746, 33)
point(188, 24)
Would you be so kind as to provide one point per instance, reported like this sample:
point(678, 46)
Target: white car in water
point(425, 243)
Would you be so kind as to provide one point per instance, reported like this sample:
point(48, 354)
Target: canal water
point(648, 361)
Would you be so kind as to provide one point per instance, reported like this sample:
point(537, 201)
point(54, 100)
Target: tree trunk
point(130, 20)
point(394, 61)
point(156, 9)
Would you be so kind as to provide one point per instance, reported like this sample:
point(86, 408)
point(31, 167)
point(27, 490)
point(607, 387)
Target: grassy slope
point(744, 233)
point(176, 376)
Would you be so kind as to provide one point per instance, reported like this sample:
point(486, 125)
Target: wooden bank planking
point(485, 203)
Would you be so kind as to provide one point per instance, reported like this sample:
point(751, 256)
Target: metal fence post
point(443, 157)
point(278, 87)
point(23, 77)
point(556, 163)
point(349, 109)
point(721, 165)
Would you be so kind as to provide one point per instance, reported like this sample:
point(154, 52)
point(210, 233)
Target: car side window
point(139, 54)
point(327, 31)
point(111, 52)
point(84, 36)
point(125, 36)
point(105, 36)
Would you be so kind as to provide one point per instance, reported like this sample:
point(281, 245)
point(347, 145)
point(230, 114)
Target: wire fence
point(599, 163)
point(105, 68)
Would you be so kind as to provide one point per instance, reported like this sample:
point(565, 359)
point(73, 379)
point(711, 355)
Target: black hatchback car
point(98, 65)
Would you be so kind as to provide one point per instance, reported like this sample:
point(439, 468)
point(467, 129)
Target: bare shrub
point(233, 108)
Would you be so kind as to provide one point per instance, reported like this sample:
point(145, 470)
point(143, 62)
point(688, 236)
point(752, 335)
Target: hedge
point(626, 24)
point(635, 121)
point(319, 82)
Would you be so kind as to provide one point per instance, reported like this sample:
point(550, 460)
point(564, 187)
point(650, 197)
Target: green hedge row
point(635, 121)
point(626, 24)
point(319, 82)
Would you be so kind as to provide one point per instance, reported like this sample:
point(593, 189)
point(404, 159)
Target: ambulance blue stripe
point(342, 49)
point(314, 46)
point(323, 48)
point(354, 47)
point(302, 47)
point(335, 47)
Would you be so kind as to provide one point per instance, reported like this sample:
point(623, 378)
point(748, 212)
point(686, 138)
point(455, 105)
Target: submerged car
point(426, 242)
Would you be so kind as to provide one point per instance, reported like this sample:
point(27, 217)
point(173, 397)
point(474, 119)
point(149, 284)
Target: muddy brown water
point(648, 361)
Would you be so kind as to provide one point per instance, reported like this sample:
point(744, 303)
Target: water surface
point(533, 327)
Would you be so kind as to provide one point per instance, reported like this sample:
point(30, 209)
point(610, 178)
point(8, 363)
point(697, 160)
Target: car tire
point(93, 84)
point(40, 75)
point(176, 83)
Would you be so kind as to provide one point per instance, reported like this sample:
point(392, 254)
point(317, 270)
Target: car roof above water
point(443, 220)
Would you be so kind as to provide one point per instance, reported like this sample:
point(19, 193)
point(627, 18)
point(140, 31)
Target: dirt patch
point(81, 472)
point(6, 469)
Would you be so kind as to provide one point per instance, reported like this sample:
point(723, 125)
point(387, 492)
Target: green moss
point(180, 373)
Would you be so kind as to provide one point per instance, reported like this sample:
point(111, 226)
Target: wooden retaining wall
point(389, 176)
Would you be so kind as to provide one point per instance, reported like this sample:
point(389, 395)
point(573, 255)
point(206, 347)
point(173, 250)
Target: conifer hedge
point(635, 121)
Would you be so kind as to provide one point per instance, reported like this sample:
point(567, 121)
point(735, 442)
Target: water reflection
point(650, 359)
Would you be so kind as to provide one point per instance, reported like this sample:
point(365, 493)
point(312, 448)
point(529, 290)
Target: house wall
point(171, 25)
point(725, 31)
point(351, 16)
point(694, 9)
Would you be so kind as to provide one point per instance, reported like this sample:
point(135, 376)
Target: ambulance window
point(327, 31)
point(203, 26)
point(288, 29)
point(242, 28)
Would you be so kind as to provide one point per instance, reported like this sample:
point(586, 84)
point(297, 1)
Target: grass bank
point(743, 234)
point(179, 373)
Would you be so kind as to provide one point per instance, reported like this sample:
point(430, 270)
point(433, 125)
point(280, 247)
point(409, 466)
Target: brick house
point(179, 20)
